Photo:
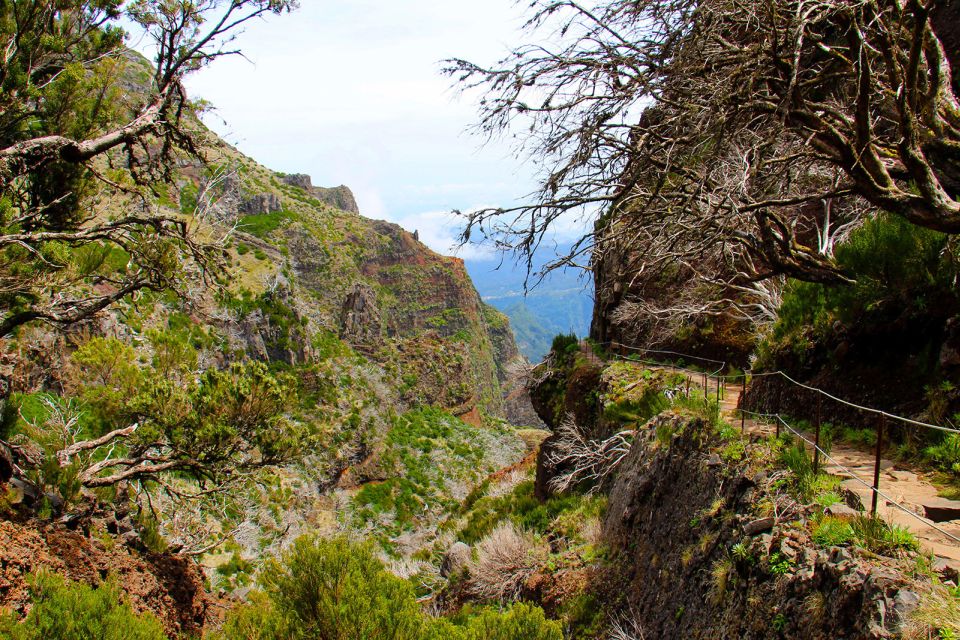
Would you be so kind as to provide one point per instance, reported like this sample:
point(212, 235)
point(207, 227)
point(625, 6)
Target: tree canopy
point(737, 142)
point(89, 136)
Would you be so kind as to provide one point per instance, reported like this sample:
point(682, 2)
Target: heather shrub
point(66, 610)
point(338, 590)
point(505, 559)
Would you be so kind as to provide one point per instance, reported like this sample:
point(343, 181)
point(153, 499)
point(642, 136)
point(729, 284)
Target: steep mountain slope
point(391, 368)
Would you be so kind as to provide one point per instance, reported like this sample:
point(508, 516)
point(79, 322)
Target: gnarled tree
point(729, 141)
point(87, 135)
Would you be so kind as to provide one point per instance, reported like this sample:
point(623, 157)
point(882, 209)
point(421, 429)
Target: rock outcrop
point(360, 323)
point(337, 197)
point(664, 524)
point(697, 549)
point(170, 586)
point(260, 204)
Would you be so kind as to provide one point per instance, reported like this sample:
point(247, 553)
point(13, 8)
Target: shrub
point(519, 622)
point(945, 455)
point(66, 610)
point(506, 558)
point(338, 590)
point(565, 343)
point(881, 537)
point(833, 532)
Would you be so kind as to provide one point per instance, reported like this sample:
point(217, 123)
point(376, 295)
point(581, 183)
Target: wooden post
point(688, 387)
point(816, 439)
point(706, 392)
point(876, 466)
point(743, 395)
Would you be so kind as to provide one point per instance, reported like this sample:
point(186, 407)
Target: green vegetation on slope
point(65, 610)
point(338, 590)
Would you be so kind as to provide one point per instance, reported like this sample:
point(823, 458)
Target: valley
point(235, 405)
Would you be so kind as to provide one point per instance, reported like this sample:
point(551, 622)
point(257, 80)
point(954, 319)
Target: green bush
point(263, 224)
point(338, 590)
point(833, 532)
point(806, 485)
point(894, 262)
point(879, 536)
point(565, 343)
point(65, 610)
point(425, 450)
point(528, 513)
point(945, 455)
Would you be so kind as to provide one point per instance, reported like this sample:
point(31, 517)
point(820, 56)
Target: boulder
point(841, 510)
point(946, 568)
point(941, 509)
point(758, 526)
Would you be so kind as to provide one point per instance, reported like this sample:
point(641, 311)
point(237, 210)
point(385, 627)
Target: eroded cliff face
point(704, 539)
point(673, 517)
point(622, 278)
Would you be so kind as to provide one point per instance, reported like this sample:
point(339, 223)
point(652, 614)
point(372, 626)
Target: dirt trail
point(905, 487)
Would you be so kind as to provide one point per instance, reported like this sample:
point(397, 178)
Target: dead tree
point(740, 141)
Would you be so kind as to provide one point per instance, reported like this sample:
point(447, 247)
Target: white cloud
point(440, 230)
point(351, 93)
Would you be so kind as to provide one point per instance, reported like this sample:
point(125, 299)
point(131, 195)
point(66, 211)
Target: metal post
point(718, 392)
point(816, 440)
point(706, 392)
point(876, 466)
point(743, 396)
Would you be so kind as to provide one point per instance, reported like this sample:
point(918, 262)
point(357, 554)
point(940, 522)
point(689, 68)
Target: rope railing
point(875, 490)
point(746, 375)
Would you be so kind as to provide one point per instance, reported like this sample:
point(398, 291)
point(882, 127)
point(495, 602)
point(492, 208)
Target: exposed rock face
point(261, 204)
point(272, 340)
point(360, 323)
point(659, 491)
point(299, 180)
point(340, 197)
point(564, 391)
point(519, 408)
point(168, 585)
point(620, 277)
point(676, 509)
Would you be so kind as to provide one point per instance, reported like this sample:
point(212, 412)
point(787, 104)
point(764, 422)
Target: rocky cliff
point(707, 533)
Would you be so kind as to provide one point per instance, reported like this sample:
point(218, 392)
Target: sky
point(351, 93)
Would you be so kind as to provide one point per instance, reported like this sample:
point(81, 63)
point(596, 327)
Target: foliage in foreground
point(338, 590)
point(65, 610)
